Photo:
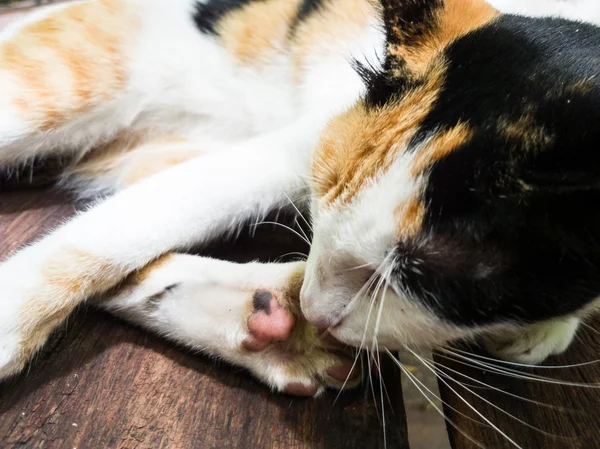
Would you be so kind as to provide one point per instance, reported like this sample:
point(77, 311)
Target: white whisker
point(481, 415)
point(500, 409)
point(299, 213)
point(517, 374)
point(410, 376)
point(516, 396)
point(525, 365)
point(283, 226)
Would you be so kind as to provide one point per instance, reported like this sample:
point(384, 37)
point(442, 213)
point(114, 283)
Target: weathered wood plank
point(103, 383)
point(570, 413)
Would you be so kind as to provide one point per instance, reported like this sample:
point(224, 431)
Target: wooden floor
point(102, 383)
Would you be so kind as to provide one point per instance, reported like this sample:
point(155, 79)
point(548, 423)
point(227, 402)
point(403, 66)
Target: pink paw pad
point(268, 323)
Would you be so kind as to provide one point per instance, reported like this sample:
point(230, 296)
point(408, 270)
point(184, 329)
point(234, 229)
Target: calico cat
point(447, 153)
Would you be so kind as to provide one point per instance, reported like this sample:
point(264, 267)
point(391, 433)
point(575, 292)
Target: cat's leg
point(187, 204)
point(117, 165)
point(534, 343)
point(246, 314)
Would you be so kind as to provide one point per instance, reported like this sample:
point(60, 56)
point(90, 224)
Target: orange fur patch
point(72, 277)
point(79, 274)
point(360, 144)
point(128, 159)
point(438, 147)
point(409, 218)
point(410, 215)
point(69, 61)
point(533, 136)
point(149, 163)
point(261, 28)
point(141, 275)
point(335, 23)
point(454, 19)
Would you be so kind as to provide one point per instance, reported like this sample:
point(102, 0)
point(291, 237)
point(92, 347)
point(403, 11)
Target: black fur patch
point(512, 228)
point(208, 13)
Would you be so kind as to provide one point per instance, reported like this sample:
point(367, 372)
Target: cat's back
point(258, 31)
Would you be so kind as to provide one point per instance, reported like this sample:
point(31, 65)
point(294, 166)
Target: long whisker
point(293, 253)
point(375, 346)
point(377, 363)
point(385, 282)
point(441, 366)
point(300, 228)
point(500, 409)
point(367, 285)
point(516, 374)
point(358, 267)
point(369, 358)
point(592, 328)
point(509, 439)
point(410, 377)
point(447, 404)
point(283, 226)
point(524, 365)
point(298, 211)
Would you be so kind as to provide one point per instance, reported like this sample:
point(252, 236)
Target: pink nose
point(320, 318)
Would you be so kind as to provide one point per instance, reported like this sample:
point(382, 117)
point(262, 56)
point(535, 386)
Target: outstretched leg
point(247, 314)
point(190, 203)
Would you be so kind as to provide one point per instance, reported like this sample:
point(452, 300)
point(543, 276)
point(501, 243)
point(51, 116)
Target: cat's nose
point(316, 317)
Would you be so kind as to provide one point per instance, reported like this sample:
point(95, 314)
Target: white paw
point(247, 314)
point(289, 354)
point(533, 344)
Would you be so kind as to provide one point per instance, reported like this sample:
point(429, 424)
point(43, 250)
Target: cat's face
point(461, 194)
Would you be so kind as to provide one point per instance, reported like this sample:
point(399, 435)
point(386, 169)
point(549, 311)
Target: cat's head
point(462, 193)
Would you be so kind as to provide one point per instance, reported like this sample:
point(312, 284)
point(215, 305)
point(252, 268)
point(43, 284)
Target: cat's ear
point(416, 30)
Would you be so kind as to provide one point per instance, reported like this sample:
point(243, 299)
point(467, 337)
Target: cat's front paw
point(533, 344)
point(290, 355)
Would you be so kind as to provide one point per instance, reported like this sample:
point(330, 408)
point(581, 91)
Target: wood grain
point(564, 417)
point(101, 383)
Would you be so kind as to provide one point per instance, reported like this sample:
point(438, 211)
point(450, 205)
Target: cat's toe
point(311, 374)
point(268, 323)
point(288, 353)
point(345, 374)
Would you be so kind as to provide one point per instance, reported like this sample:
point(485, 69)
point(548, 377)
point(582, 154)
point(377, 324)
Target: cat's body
point(203, 115)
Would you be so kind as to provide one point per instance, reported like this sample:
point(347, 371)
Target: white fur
point(583, 10)
point(206, 309)
point(256, 128)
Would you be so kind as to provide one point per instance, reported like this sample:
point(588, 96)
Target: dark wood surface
point(567, 416)
point(101, 383)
